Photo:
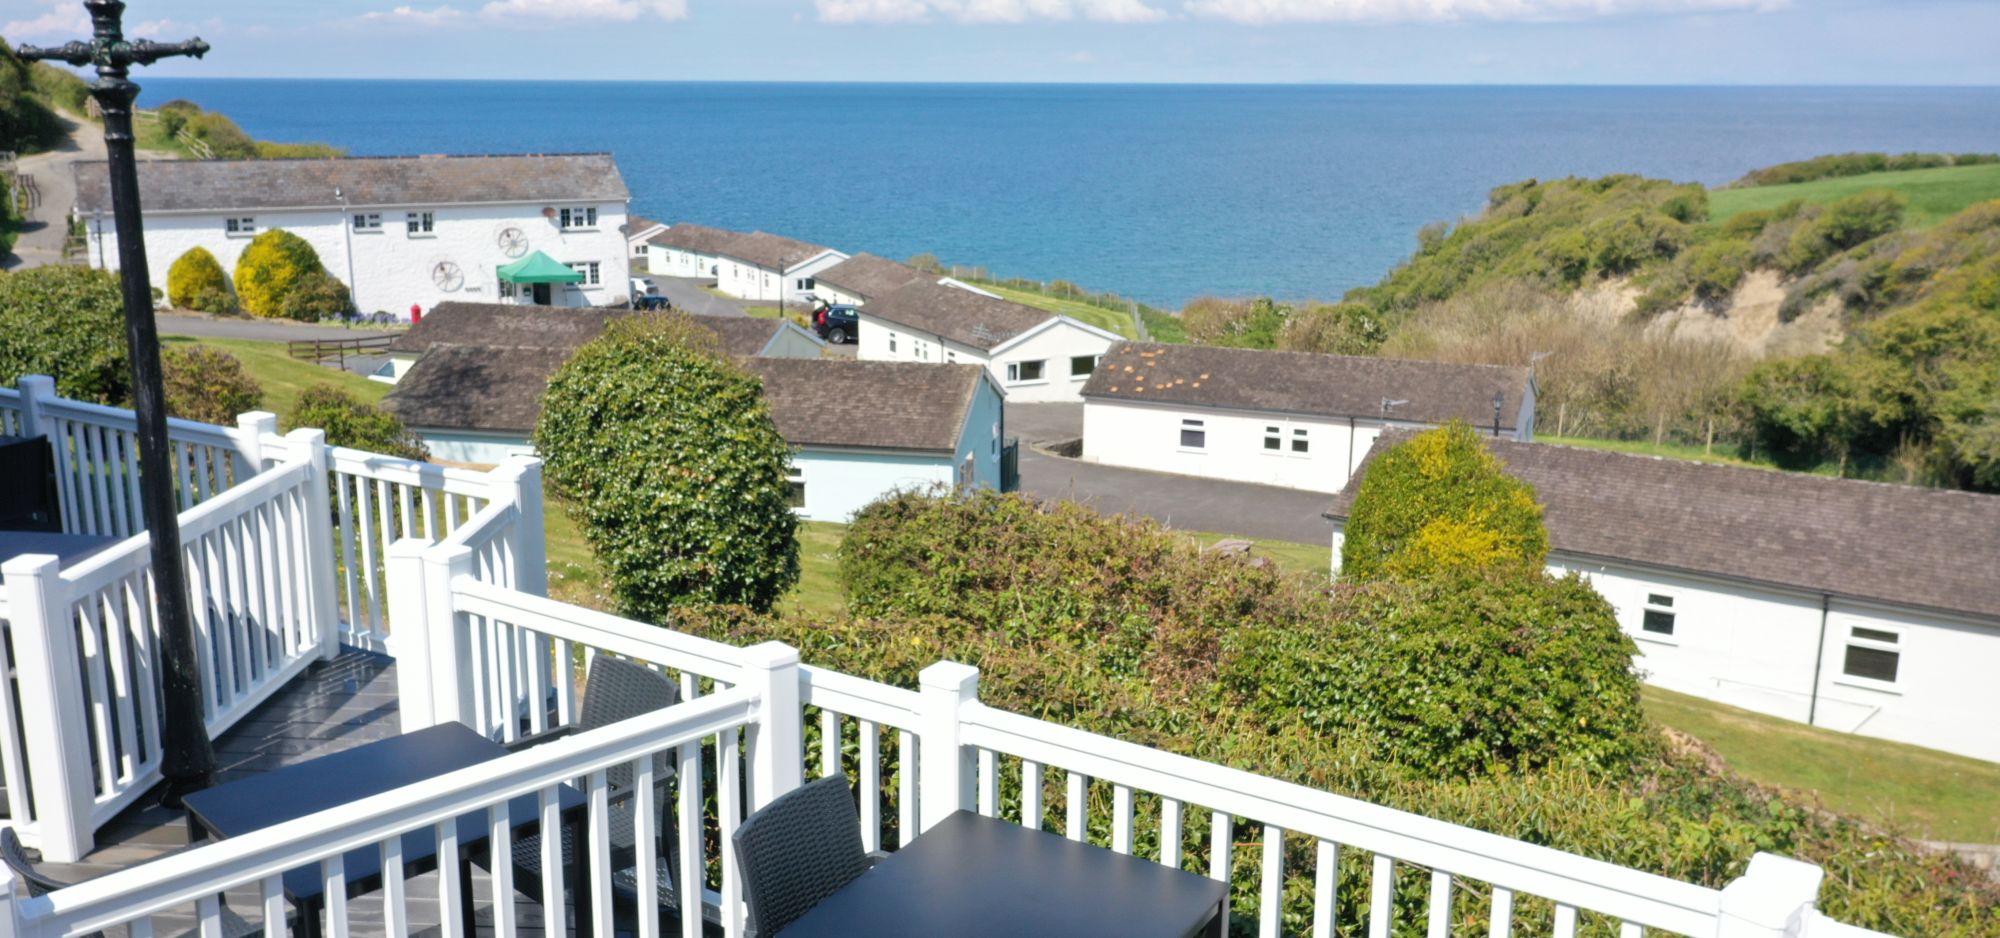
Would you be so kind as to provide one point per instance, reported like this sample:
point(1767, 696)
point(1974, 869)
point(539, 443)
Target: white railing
point(87, 645)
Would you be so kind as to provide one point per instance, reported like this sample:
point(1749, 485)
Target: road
point(688, 296)
point(41, 240)
point(262, 330)
point(1255, 511)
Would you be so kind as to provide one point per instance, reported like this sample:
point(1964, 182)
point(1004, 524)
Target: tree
point(208, 385)
point(1438, 503)
point(67, 323)
point(271, 268)
point(675, 471)
point(317, 295)
point(1334, 328)
point(196, 281)
point(355, 424)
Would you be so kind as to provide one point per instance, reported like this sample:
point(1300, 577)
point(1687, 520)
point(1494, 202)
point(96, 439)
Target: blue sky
point(1370, 41)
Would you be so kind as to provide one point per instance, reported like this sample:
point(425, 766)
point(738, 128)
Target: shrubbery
point(26, 124)
point(354, 423)
point(1439, 503)
point(674, 469)
point(68, 323)
point(196, 281)
point(207, 384)
point(1857, 164)
point(316, 296)
point(275, 265)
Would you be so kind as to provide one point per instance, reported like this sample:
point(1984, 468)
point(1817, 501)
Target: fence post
point(522, 475)
point(36, 392)
point(409, 622)
point(309, 445)
point(1770, 900)
point(778, 741)
point(249, 437)
point(48, 667)
point(945, 772)
point(452, 682)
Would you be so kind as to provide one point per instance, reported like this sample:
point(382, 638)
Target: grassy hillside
point(1933, 194)
point(282, 376)
point(1106, 319)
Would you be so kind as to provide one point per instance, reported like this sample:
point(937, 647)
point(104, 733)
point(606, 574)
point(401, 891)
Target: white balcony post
point(249, 437)
point(409, 622)
point(449, 638)
point(36, 392)
point(522, 478)
point(778, 740)
point(309, 445)
point(50, 676)
point(946, 775)
point(10, 914)
point(1772, 899)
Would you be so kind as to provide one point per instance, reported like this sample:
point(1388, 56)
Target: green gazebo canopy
point(538, 268)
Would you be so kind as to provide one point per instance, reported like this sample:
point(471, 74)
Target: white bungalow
point(639, 231)
point(1294, 419)
point(1034, 355)
point(686, 250)
point(763, 266)
point(1854, 606)
point(399, 231)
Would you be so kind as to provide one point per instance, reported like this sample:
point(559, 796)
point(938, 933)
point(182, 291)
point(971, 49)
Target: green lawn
point(1921, 792)
point(282, 376)
point(1933, 193)
point(1648, 448)
point(1108, 319)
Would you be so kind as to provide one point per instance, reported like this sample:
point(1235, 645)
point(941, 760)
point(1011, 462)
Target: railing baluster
point(1631, 930)
point(208, 916)
point(829, 742)
point(870, 785)
point(395, 894)
point(689, 889)
point(646, 860)
point(728, 812)
point(271, 889)
point(500, 848)
point(369, 616)
point(989, 783)
point(121, 467)
point(1381, 893)
point(1076, 823)
point(906, 787)
point(142, 927)
point(118, 661)
point(131, 459)
point(1121, 819)
point(1565, 921)
point(1271, 885)
point(1326, 888)
point(1031, 794)
point(454, 890)
point(1170, 833)
point(600, 854)
point(95, 663)
point(555, 915)
point(335, 897)
point(1500, 922)
point(1440, 921)
point(139, 598)
point(344, 533)
point(1221, 843)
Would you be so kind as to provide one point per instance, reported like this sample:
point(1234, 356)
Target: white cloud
point(159, 29)
point(412, 16)
point(1440, 11)
point(985, 11)
point(62, 19)
point(619, 10)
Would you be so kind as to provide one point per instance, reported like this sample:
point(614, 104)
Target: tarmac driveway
point(688, 296)
point(1255, 511)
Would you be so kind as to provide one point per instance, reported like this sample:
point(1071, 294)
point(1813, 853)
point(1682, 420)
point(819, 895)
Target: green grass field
point(282, 376)
point(1108, 319)
point(1934, 194)
point(1919, 792)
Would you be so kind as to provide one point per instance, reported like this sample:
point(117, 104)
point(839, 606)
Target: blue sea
point(1158, 192)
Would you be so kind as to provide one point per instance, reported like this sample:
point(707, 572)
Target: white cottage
point(399, 231)
point(470, 377)
point(1854, 606)
point(639, 233)
point(863, 430)
point(764, 266)
point(1295, 419)
point(856, 280)
point(1034, 355)
point(687, 250)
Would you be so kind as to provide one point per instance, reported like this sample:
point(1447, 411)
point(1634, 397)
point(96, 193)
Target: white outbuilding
point(399, 231)
point(1034, 355)
point(686, 250)
point(1295, 419)
point(1854, 606)
point(764, 266)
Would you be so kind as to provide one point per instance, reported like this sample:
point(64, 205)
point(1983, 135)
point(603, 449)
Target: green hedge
point(1439, 502)
point(68, 323)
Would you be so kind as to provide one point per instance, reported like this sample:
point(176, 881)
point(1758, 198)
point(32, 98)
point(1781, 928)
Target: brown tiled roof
point(873, 405)
point(476, 387)
point(1864, 540)
point(502, 325)
point(1307, 383)
point(868, 276)
point(639, 222)
point(965, 317)
point(774, 252)
point(195, 185)
point(699, 239)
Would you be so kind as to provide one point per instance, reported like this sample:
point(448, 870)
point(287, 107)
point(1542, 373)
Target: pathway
point(262, 330)
point(41, 239)
point(688, 296)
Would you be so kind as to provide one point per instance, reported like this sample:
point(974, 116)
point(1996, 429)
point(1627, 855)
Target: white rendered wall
point(391, 268)
point(747, 281)
point(835, 295)
point(883, 341)
point(472, 446)
point(1054, 347)
point(674, 262)
point(1145, 436)
point(839, 482)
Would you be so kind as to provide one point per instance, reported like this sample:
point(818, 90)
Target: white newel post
point(10, 914)
point(249, 438)
point(523, 477)
point(46, 662)
point(451, 677)
point(36, 392)
point(309, 445)
point(778, 740)
point(946, 776)
point(1772, 899)
point(409, 623)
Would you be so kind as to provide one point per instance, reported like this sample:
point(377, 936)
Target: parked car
point(644, 287)
point(652, 302)
point(837, 324)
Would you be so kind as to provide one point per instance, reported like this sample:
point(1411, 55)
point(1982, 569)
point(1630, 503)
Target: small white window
point(588, 269)
point(803, 283)
point(583, 217)
point(892, 341)
point(418, 224)
point(1274, 439)
point(1658, 615)
point(1301, 444)
point(1018, 372)
point(241, 227)
point(1194, 434)
point(795, 487)
point(367, 221)
point(1872, 654)
point(1081, 366)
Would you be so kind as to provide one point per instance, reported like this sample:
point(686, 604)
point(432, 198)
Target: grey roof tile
point(965, 317)
point(872, 405)
point(214, 185)
point(868, 276)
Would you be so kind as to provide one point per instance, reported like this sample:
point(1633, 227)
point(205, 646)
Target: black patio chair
point(16, 858)
point(796, 851)
point(615, 690)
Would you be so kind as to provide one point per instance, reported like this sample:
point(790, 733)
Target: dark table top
point(974, 876)
point(257, 802)
point(70, 548)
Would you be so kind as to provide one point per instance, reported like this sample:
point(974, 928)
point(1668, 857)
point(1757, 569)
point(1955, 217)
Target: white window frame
point(795, 481)
point(592, 274)
point(240, 226)
point(1670, 608)
point(1192, 425)
point(367, 222)
point(1892, 645)
point(1014, 371)
point(1300, 436)
point(803, 283)
point(577, 218)
point(1274, 440)
point(892, 342)
point(420, 224)
point(1074, 375)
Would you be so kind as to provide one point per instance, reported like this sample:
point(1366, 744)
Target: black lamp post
point(187, 761)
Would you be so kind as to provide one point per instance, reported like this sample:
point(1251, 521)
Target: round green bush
point(354, 423)
point(316, 296)
point(271, 268)
point(196, 281)
point(1440, 502)
point(67, 323)
point(207, 384)
point(674, 470)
